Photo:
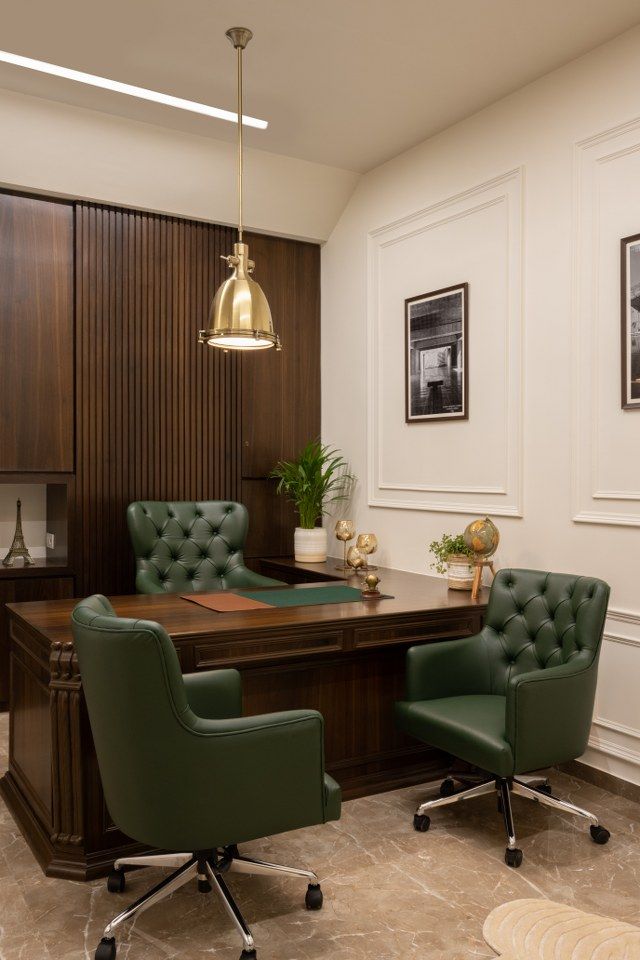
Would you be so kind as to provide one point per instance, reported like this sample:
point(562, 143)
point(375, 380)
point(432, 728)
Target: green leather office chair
point(515, 698)
point(184, 772)
point(191, 547)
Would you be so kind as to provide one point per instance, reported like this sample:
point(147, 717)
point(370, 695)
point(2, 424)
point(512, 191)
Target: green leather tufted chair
point(183, 771)
point(515, 698)
point(190, 547)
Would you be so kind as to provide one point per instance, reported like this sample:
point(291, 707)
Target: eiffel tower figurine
point(18, 548)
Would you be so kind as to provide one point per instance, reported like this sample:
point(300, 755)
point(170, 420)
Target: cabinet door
point(36, 335)
point(23, 591)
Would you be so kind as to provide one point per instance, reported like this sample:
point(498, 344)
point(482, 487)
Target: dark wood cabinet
point(36, 334)
point(34, 586)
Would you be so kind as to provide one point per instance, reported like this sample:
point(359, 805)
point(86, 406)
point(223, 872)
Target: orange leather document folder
point(225, 602)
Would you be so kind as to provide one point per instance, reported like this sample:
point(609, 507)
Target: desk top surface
point(411, 592)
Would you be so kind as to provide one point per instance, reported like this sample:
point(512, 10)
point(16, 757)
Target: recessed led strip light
point(41, 66)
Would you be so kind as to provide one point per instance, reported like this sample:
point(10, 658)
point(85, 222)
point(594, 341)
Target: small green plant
point(316, 479)
point(445, 547)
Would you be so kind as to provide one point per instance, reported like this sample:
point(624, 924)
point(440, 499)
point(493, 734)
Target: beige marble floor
point(389, 892)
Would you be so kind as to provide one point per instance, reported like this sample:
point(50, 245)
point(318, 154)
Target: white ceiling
point(349, 83)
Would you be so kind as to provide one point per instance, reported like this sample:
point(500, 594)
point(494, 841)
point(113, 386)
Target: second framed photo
point(436, 355)
point(630, 298)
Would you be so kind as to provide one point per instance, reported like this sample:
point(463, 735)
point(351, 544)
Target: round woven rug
point(543, 930)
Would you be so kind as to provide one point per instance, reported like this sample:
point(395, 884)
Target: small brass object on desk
point(370, 590)
point(355, 559)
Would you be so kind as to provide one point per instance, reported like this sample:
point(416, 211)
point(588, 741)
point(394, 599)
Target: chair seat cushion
point(332, 799)
point(471, 728)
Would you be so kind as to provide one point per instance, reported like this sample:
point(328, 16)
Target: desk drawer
point(228, 651)
point(416, 631)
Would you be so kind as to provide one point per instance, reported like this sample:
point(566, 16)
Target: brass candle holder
point(345, 531)
point(356, 559)
point(368, 543)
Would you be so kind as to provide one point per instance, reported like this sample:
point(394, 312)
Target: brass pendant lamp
point(240, 318)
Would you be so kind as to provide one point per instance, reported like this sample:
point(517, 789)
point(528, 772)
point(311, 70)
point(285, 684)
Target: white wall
point(56, 148)
point(526, 201)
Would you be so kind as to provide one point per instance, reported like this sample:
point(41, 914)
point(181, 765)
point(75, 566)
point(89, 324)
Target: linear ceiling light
point(140, 92)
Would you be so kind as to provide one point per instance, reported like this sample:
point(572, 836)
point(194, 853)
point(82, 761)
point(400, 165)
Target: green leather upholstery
point(190, 547)
point(518, 696)
point(181, 768)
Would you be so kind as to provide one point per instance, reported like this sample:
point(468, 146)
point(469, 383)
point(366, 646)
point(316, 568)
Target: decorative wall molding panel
point(614, 744)
point(606, 486)
point(473, 237)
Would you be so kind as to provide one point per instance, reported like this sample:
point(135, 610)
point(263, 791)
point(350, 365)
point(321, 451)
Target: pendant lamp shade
point(240, 318)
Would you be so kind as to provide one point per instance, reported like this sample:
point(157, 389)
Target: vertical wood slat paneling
point(158, 415)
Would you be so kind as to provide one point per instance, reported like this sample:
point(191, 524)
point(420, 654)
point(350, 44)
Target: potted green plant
point(318, 477)
point(453, 557)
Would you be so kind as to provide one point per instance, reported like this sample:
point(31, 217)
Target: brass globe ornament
point(482, 538)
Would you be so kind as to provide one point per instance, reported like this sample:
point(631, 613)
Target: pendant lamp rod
point(240, 155)
point(239, 37)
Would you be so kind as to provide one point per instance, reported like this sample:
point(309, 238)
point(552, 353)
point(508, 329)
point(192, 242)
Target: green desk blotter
point(304, 597)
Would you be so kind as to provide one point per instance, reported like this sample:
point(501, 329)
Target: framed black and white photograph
point(630, 257)
point(436, 378)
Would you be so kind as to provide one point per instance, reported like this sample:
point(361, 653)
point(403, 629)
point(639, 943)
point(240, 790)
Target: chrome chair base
point(208, 867)
point(530, 787)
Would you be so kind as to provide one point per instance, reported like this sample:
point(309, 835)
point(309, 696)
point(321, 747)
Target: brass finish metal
point(239, 36)
point(370, 591)
point(240, 318)
point(355, 559)
point(345, 530)
point(18, 549)
point(368, 543)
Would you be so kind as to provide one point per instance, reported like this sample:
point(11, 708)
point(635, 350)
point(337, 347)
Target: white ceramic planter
point(310, 546)
point(460, 572)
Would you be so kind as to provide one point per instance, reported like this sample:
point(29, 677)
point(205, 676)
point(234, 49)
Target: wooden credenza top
point(413, 594)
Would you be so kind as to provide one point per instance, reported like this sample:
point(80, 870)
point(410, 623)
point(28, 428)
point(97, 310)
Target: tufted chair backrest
point(537, 620)
point(188, 547)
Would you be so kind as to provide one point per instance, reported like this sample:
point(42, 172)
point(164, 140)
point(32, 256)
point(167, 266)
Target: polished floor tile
point(390, 893)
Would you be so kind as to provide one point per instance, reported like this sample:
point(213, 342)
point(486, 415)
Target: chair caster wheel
point(204, 886)
point(447, 787)
point(421, 822)
point(599, 834)
point(106, 949)
point(248, 955)
point(313, 899)
point(116, 882)
point(545, 788)
point(513, 857)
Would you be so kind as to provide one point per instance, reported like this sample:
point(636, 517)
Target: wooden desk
point(346, 660)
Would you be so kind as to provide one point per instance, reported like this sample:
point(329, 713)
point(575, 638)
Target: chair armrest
point(549, 713)
point(214, 694)
point(252, 579)
point(449, 668)
point(272, 767)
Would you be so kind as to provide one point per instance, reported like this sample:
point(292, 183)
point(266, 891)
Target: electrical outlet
point(50, 541)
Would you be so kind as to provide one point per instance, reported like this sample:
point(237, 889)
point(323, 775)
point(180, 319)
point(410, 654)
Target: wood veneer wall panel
point(157, 414)
point(36, 335)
